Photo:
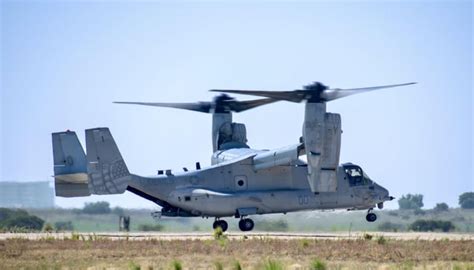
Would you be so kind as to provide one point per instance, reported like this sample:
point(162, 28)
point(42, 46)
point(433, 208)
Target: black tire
point(246, 224)
point(242, 225)
point(371, 217)
point(220, 223)
point(223, 224)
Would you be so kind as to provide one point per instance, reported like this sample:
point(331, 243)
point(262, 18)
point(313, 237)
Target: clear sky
point(63, 63)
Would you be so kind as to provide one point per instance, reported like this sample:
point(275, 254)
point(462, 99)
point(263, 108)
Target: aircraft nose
point(383, 193)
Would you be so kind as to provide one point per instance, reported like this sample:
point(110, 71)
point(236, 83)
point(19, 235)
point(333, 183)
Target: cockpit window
point(356, 176)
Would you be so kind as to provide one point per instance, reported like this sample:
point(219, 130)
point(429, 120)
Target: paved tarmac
point(136, 236)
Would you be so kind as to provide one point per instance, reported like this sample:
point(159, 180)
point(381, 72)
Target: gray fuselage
point(232, 187)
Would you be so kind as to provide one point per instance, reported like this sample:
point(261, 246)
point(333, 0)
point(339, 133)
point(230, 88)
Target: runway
point(139, 236)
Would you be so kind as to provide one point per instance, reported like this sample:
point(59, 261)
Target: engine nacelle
point(234, 133)
point(322, 139)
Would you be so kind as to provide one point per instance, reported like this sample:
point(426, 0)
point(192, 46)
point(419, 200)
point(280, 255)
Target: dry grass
point(102, 253)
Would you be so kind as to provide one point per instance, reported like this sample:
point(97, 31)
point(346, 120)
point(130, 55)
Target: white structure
point(26, 194)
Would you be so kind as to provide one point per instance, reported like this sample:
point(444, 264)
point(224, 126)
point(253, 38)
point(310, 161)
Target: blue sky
point(63, 63)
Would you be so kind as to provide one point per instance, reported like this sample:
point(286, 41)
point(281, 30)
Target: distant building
point(26, 194)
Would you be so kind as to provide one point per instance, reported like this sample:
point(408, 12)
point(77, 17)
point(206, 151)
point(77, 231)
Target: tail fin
point(107, 171)
point(102, 171)
point(70, 165)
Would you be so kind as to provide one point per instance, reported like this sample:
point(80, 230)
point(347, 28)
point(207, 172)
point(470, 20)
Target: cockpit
point(356, 176)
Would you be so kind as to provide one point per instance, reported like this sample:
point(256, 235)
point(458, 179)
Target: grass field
point(252, 253)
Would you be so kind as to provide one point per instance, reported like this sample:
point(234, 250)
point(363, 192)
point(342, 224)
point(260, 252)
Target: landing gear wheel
point(246, 224)
point(371, 217)
point(220, 223)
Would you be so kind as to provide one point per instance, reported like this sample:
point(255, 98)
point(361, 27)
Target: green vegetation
point(367, 236)
point(177, 265)
point(218, 233)
point(317, 265)
point(432, 226)
point(218, 265)
point(14, 219)
point(48, 228)
point(410, 202)
point(133, 266)
point(64, 226)
point(119, 211)
point(315, 221)
point(97, 208)
point(441, 207)
point(466, 200)
point(272, 265)
point(381, 240)
point(236, 265)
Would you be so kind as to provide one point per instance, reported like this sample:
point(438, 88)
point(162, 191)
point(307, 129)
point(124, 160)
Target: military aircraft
point(241, 181)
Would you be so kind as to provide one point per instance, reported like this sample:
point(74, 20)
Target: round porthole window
point(240, 182)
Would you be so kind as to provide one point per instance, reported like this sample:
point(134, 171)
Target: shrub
point(64, 226)
point(410, 201)
point(466, 200)
point(419, 212)
point(317, 265)
point(19, 219)
point(218, 265)
point(432, 225)
point(390, 227)
point(96, 208)
point(48, 228)
point(367, 236)
point(133, 266)
point(176, 265)
point(273, 265)
point(441, 207)
point(381, 240)
point(237, 265)
point(119, 211)
point(218, 233)
point(151, 228)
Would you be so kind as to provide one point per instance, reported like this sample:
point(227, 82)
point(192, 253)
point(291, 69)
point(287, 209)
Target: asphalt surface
point(137, 236)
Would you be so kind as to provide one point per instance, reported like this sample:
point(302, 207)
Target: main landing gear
point(246, 224)
point(371, 217)
point(220, 223)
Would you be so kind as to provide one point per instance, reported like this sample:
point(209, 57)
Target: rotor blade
point(336, 93)
point(293, 96)
point(204, 107)
point(240, 106)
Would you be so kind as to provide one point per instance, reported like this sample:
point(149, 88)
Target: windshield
point(356, 176)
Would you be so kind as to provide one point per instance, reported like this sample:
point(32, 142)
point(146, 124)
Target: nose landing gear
point(246, 224)
point(371, 217)
point(220, 223)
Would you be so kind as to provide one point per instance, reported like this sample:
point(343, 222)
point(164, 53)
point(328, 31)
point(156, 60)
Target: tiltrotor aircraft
point(241, 181)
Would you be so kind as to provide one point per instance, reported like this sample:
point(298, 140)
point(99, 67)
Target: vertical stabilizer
point(70, 165)
point(107, 171)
